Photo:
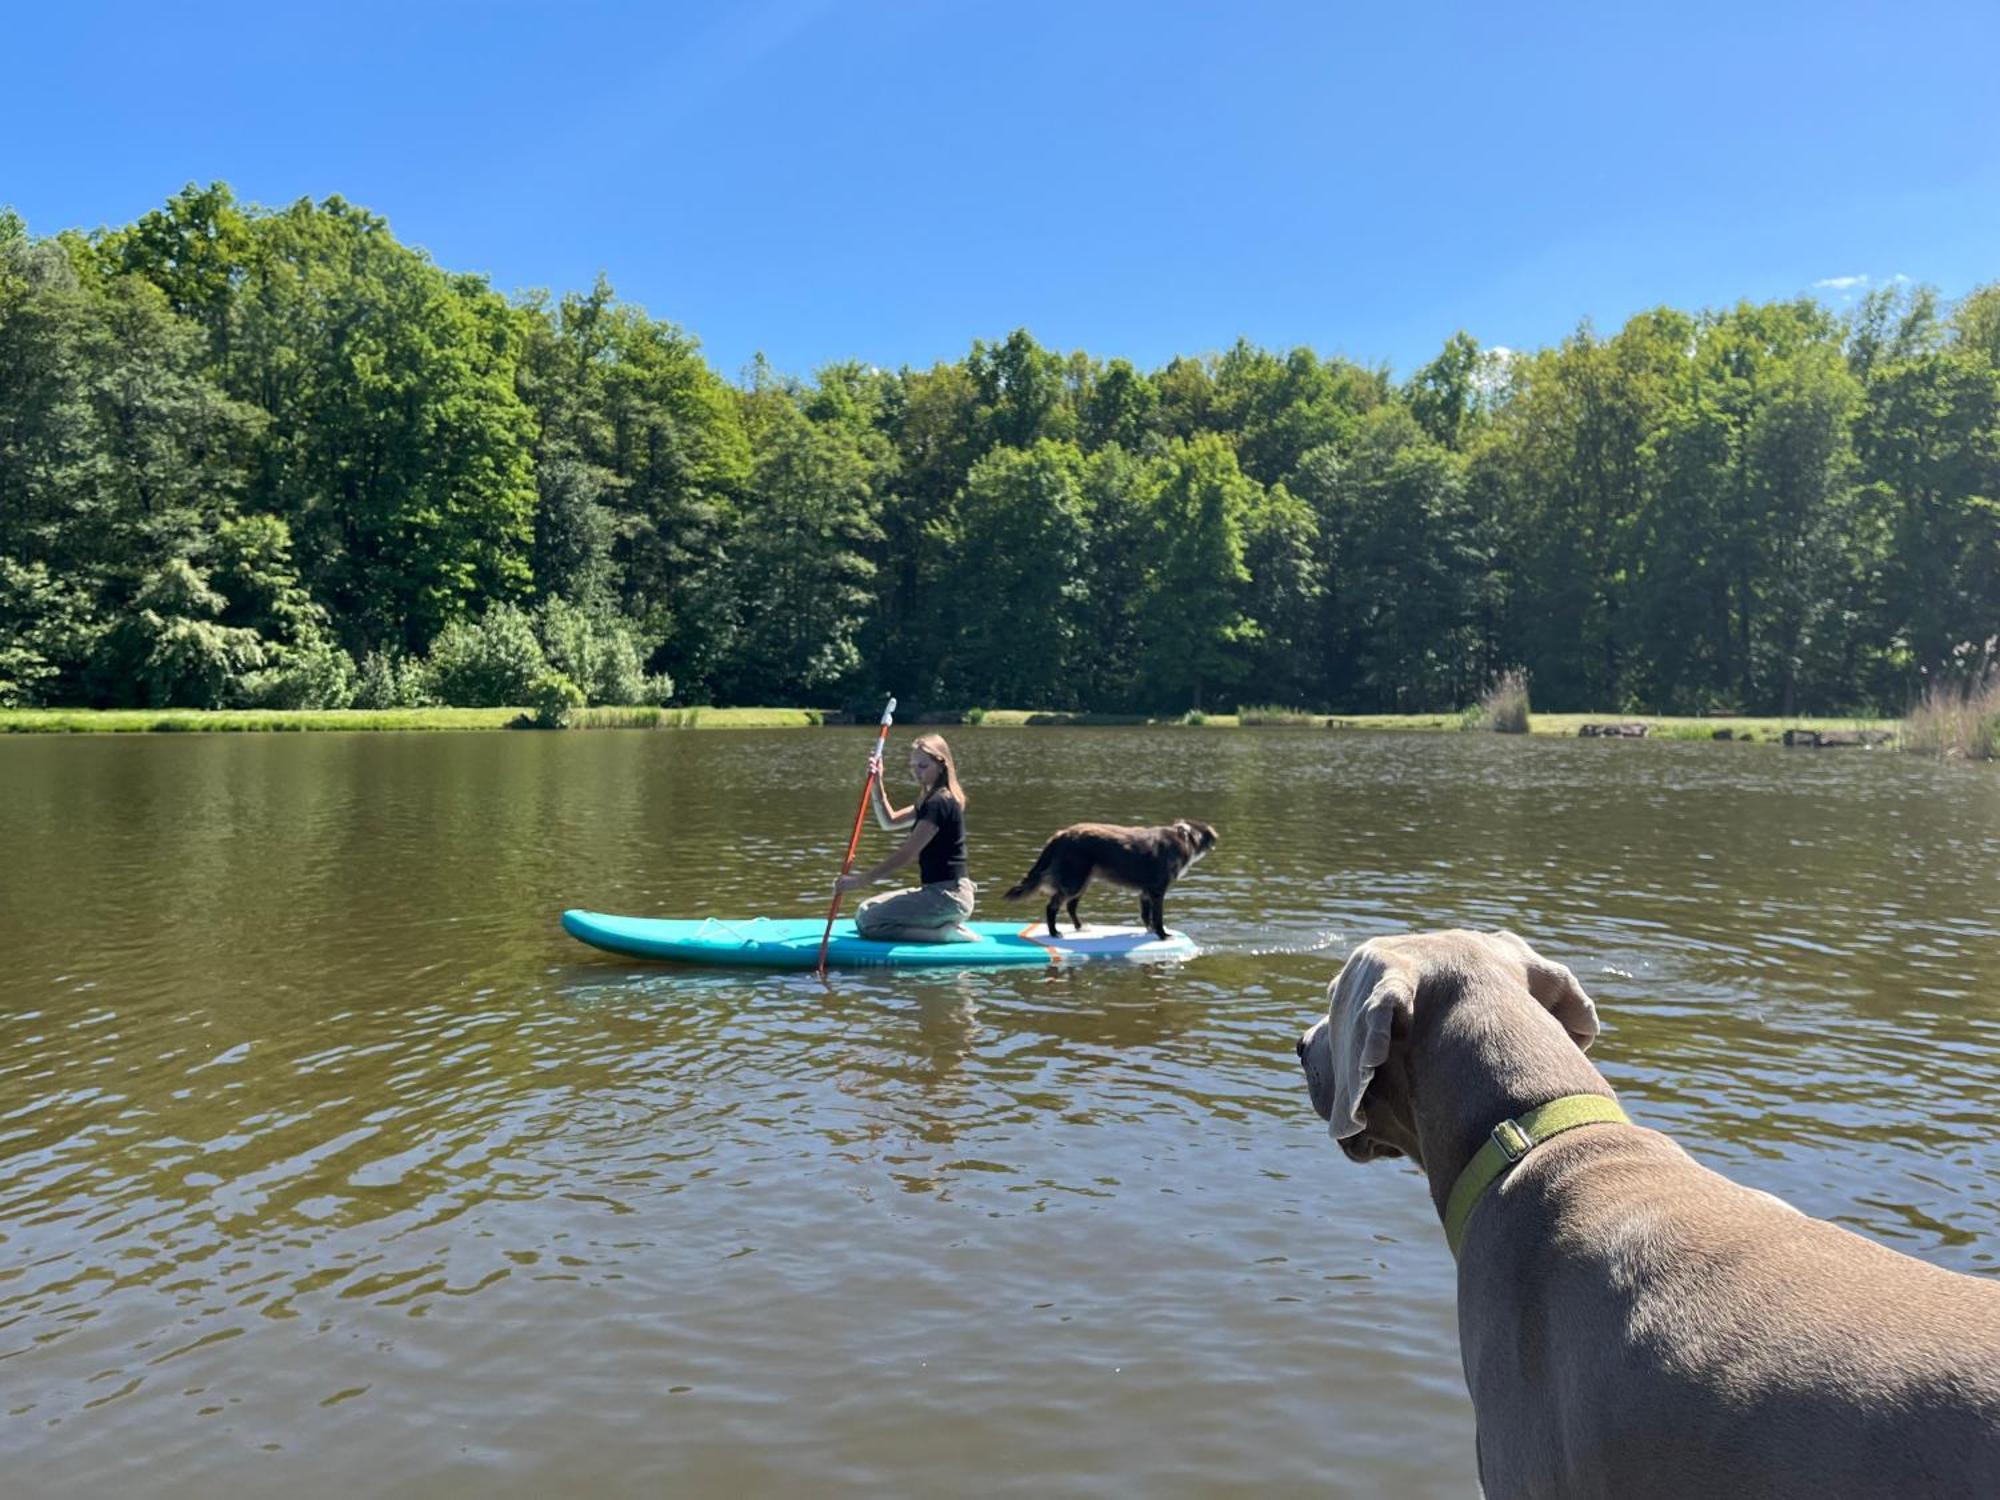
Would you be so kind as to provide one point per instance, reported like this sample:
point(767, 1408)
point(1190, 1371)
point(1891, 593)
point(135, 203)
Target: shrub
point(975, 716)
point(1270, 713)
point(1504, 706)
point(490, 664)
point(386, 681)
point(43, 620)
point(316, 675)
point(173, 644)
point(597, 651)
point(621, 673)
point(192, 663)
point(554, 698)
point(1194, 716)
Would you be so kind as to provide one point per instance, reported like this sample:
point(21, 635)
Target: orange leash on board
point(854, 839)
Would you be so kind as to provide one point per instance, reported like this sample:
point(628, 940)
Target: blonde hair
point(934, 746)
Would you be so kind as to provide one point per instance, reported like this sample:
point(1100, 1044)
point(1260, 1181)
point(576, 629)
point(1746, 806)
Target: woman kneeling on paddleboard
point(936, 911)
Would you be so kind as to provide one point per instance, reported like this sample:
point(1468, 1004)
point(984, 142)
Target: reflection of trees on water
point(949, 1069)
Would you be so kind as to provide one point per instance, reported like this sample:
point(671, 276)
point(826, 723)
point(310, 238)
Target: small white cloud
point(1841, 283)
point(1899, 279)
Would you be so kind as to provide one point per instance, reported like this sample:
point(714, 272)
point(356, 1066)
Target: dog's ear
point(1364, 1003)
point(1557, 988)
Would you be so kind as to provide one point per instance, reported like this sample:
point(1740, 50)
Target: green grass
point(140, 720)
point(157, 720)
point(698, 718)
point(1265, 715)
point(1561, 726)
point(1015, 718)
point(226, 721)
point(749, 718)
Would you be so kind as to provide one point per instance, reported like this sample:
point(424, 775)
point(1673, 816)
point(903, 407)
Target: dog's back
point(1681, 1316)
point(1141, 859)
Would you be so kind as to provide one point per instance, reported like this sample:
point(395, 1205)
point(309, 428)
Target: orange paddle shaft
point(854, 839)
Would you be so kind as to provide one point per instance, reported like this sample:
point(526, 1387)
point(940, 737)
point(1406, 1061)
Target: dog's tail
point(1033, 879)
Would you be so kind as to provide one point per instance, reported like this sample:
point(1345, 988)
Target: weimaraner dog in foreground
point(1633, 1324)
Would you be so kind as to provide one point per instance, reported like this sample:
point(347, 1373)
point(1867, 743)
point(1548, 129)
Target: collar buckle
point(1509, 1141)
point(1513, 1141)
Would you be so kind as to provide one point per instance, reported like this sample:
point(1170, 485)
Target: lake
point(328, 1162)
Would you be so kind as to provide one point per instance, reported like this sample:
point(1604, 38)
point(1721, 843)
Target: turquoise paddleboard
point(793, 943)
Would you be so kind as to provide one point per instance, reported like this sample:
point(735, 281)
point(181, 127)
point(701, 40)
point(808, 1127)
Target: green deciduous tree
point(492, 662)
point(195, 250)
point(398, 449)
point(802, 554)
point(1191, 621)
point(1412, 563)
point(1121, 501)
point(679, 460)
point(173, 645)
point(930, 417)
point(273, 456)
point(1024, 392)
point(1020, 552)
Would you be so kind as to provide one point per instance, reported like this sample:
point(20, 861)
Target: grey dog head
point(1371, 1007)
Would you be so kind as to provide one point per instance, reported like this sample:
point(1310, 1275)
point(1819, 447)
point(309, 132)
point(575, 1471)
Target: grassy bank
point(1746, 728)
point(233, 721)
point(1559, 726)
point(139, 720)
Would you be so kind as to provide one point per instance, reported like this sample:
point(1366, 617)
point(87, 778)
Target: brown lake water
point(330, 1166)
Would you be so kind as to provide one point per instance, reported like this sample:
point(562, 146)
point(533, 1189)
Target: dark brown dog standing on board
point(1146, 860)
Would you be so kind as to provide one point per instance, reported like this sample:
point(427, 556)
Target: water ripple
point(320, 1146)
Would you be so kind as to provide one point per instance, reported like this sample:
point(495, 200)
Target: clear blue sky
point(825, 179)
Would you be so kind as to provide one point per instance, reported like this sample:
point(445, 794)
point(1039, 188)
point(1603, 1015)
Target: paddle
point(854, 839)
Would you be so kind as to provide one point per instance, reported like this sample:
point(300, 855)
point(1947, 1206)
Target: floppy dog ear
point(1557, 988)
point(1364, 1002)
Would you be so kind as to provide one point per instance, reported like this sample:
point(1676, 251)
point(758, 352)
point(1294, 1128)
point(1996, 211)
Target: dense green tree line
point(276, 457)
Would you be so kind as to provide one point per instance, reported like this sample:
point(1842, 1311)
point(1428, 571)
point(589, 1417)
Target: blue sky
point(888, 181)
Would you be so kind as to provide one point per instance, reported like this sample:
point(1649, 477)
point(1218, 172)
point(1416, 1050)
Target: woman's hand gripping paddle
point(854, 839)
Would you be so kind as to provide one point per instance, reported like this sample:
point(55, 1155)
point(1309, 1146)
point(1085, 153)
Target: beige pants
point(930, 914)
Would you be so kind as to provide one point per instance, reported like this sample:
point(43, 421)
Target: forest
point(275, 457)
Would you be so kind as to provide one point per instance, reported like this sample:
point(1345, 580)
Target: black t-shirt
point(943, 858)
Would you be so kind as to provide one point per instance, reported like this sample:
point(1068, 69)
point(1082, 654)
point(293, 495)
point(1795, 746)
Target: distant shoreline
point(1761, 730)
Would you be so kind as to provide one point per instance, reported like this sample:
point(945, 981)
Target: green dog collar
point(1513, 1139)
